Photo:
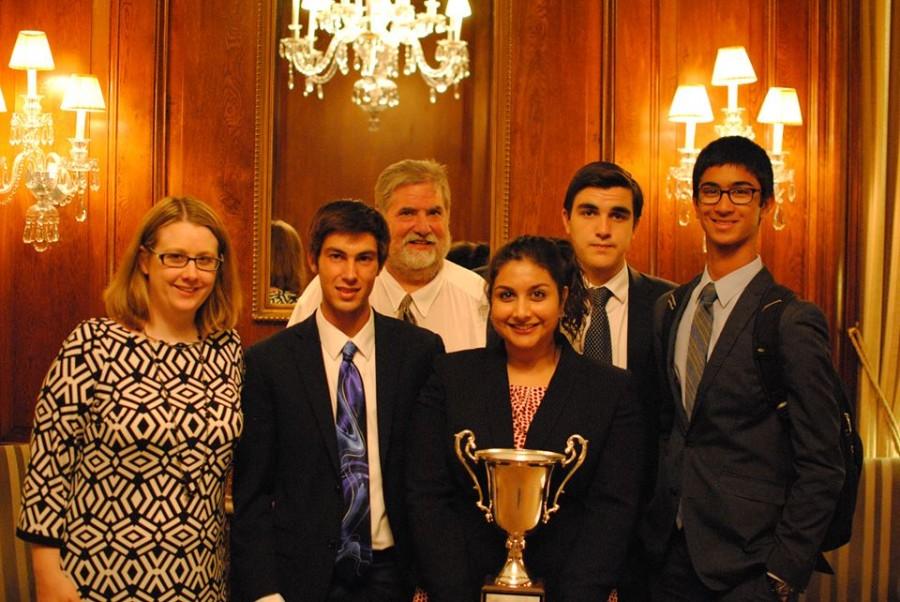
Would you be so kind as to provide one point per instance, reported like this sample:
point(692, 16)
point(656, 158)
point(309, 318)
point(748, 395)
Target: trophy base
point(491, 592)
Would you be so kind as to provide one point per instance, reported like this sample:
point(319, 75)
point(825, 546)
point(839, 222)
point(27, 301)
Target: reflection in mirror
point(287, 268)
point(315, 150)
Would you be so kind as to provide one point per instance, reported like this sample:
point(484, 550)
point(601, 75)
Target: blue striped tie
point(350, 419)
point(698, 346)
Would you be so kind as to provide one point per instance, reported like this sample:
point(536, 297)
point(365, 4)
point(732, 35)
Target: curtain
point(880, 238)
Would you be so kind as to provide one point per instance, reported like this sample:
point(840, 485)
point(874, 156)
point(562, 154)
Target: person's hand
point(50, 581)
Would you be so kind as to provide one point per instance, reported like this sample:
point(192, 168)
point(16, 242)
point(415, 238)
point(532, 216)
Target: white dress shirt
point(616, 312)
point(453, 305)
point(728, 290)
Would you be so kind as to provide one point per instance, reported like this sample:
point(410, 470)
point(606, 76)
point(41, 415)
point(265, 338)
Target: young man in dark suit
point(744, 495)
point(601, 211)
point(319, 495)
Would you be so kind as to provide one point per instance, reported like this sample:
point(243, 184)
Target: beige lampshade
point(733, 67)
point(32, 51)
point(83, 94)
point(316, 5)
point(690, 103)
point(458, 8)
point(2, 103)
point(781, 105)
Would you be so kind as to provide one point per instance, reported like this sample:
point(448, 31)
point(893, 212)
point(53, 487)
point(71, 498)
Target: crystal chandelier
point(53, 180)
point(377, 31)
point(691, 106)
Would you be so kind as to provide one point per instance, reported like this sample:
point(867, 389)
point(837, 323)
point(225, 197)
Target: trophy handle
point(570, 456)
point(467, 451)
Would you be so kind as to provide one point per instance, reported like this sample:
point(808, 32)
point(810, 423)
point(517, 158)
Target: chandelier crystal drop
point(377, 32)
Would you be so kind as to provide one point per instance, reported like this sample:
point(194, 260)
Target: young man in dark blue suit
point(320, 512)
point(744, 495)
point(601, 211)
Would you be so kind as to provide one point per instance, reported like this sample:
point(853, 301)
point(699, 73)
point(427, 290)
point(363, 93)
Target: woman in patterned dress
point(531, 391)
point(136, 421)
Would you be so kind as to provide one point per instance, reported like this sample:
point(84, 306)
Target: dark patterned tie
point(356, 528)
point(404, 312)
point(698, 345)
point(597, 340)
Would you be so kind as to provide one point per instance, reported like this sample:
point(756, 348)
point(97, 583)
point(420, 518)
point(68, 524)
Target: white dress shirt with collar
point(616, 312)
point(454, 304)
point(728, 290)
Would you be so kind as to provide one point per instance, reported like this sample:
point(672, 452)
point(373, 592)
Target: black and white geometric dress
point(132, 441)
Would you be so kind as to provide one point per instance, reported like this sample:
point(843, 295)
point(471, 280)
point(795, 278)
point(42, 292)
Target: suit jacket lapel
point(559, 392)
point(639, 331)
point(495, 400)
point(307, 349)
point(387, 373)
point(743, 312)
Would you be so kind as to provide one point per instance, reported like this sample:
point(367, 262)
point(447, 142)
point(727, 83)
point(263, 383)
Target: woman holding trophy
point(526, 399)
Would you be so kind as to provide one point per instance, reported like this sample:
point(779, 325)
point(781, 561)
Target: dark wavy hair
point(557, 256)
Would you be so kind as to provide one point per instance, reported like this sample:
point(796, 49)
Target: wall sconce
point(53, 180)
point(690, 106)
point(376, 30)
point(781, 107)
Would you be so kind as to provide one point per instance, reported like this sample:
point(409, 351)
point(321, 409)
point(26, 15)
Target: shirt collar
point(423, 298)
point(617, 285)
point(732, 285)
point(333, 340)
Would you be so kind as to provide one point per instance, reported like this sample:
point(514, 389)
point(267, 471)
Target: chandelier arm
point(8, 187)
point(327, 62)
point(445, 75)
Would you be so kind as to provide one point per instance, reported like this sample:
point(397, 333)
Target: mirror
point(310, 150)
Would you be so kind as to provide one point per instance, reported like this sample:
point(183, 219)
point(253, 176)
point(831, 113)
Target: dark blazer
point(287, 487)
point(755, 494)
point(643, 291)
point(581, 550)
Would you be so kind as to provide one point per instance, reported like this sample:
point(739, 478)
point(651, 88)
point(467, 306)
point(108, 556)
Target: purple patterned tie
point(356, 529)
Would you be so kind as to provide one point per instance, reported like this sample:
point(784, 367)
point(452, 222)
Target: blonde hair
point(287, 269)
point(411, 171)
point(126, 297)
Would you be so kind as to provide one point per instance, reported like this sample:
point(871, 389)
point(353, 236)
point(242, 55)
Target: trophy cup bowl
point(518, 484)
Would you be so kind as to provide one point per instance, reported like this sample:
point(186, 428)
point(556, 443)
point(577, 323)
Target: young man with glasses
point(744, 495)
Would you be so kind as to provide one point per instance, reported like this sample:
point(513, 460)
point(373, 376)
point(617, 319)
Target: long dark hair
point(557, 256)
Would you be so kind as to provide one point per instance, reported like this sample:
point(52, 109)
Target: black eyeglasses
point(710, 194)
point(206, 263)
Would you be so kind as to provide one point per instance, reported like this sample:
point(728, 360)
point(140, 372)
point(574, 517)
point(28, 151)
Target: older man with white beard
point(417, 285)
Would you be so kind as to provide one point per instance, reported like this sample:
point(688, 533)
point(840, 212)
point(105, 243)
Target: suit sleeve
point(436, 530)
point(815, 438)
point(252, 544)
point(598, 554)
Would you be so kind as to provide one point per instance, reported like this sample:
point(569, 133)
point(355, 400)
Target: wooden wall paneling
point(635, 103)
point(49, 293)
point(555, 106)
point(46, 290)
point(788, 61)
point(212, 54)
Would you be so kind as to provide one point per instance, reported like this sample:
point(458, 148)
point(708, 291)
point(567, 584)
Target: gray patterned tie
point(698, 345)
point(597, 340)
point(404, 312)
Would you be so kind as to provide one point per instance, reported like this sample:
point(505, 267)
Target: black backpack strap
point(766, 341)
